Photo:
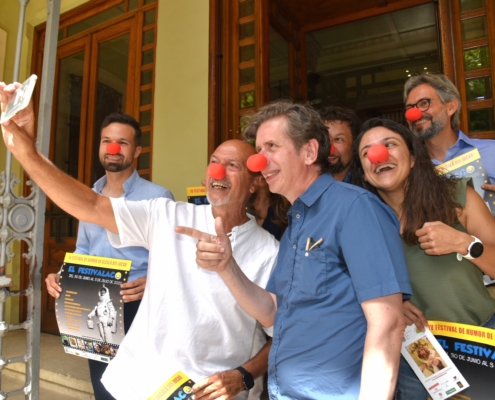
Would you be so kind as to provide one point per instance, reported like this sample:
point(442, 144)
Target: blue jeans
point(409, 387)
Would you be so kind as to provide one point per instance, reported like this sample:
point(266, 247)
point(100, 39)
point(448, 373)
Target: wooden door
point(91, 82)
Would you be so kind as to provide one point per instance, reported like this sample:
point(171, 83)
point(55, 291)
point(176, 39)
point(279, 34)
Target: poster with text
point(90, 308)
point(472, 350)
point(196, 195)
point(470, 165)
point(431, 364)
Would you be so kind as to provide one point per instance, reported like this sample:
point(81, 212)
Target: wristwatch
point(475, 250)
point(247, 378)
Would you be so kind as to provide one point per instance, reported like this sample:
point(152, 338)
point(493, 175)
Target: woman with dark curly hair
point(448, 233)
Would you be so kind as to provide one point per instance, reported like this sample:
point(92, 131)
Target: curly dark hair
point(303, 124)
point(428, 196)
point(334, 113)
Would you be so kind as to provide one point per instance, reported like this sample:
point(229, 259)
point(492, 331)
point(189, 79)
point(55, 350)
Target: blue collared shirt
point(320, 326)
point(486, 147)
point(92, 239)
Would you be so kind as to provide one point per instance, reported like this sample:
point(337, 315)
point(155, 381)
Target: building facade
point(192, 71)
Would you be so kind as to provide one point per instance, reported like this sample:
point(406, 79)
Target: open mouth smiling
point(270, 174)
point(114, 158)
point(385, 167)
point(421, 121)
point(219, 185)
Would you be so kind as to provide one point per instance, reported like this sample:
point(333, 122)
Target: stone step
point(62, 376)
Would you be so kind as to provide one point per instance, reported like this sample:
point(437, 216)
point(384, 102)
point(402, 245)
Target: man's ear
point(255, 184)
point(311, 151)
point(452, 107)
point(137, 151)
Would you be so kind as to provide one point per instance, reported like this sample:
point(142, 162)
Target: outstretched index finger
point(194, 233)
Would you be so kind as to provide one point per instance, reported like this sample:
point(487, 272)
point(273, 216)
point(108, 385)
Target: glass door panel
point(68, 133)
point(111, 89)
point(68, 129)
point(279, 67)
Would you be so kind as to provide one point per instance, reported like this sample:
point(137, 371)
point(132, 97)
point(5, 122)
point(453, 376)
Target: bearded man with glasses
point(440, 103)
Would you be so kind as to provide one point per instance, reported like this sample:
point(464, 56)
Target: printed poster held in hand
point(90, 309)
point(431, 364)
point(470, 165)
point(472, 350)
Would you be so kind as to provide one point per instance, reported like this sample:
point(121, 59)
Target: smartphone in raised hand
point(20, 99)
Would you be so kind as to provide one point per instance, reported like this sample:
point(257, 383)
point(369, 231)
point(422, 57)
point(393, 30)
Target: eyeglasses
point(423, 105)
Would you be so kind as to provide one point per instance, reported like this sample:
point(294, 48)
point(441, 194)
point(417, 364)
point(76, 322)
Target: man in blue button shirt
point(439, 101)
point(120, 180)
point(335, 297)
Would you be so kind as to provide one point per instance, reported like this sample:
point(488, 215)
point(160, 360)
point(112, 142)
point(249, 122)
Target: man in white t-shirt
point(188, 320)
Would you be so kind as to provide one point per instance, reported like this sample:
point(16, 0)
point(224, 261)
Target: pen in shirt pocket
point(316, 244)
point(310, 244)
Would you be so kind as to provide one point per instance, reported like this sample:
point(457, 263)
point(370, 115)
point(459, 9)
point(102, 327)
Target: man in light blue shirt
point(120, 180)
point(440, 103)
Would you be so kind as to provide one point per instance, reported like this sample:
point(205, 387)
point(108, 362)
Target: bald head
point(239, 183)
point(243, 149)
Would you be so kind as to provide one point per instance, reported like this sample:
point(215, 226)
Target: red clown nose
point(257, 162)
point(413, 114)
point(332, 149)
point(113, 148)
point(216, 171)
point(377, 154)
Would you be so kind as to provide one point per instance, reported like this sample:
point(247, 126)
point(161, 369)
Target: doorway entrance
point(356, 54)
point(364, 64)
point(105, 64)
point(75, 141)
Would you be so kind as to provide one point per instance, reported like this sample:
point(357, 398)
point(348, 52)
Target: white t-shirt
point(188, 320)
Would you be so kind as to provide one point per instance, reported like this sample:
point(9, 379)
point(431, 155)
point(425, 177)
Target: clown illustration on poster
point(89, 312)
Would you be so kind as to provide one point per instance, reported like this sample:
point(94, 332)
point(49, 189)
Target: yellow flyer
point(196, 195)
point(177, 387)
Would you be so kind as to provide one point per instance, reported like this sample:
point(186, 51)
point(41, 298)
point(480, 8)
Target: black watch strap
point(247, 378)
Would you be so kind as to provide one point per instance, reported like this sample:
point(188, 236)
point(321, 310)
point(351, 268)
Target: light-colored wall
point(181, 95)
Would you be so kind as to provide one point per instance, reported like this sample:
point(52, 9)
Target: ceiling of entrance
point(399, 40)
point(315, 11)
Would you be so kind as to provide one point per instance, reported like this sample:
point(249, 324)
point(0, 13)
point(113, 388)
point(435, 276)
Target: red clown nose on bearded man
point(113, 148)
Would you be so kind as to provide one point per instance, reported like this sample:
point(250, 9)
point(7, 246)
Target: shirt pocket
point(310, 275)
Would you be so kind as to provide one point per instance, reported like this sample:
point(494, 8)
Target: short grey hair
point(446, 90)
point(303, 123)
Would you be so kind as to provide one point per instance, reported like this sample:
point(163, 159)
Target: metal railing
point(22, 218)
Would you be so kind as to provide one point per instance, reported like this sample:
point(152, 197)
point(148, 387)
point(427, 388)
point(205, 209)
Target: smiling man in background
point(343, 127)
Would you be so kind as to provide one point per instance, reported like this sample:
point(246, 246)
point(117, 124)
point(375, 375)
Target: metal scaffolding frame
point(23, 218)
